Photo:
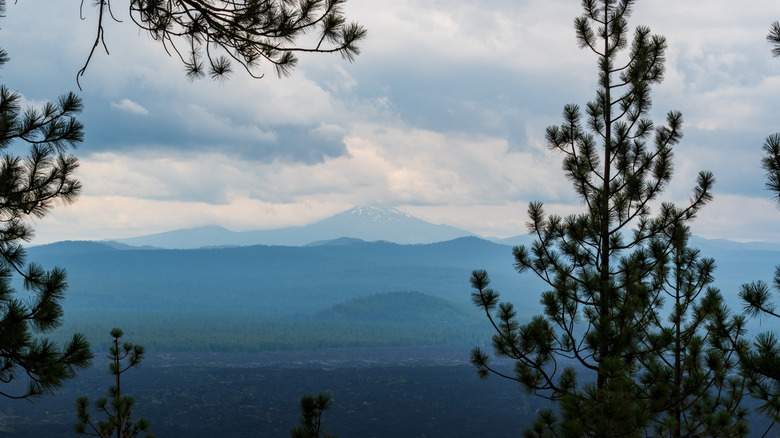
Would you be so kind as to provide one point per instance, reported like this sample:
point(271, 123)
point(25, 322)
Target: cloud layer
point(443, 115)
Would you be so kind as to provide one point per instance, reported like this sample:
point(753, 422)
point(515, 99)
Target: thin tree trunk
point(605, 297)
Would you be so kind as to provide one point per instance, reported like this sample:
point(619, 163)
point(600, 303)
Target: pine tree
point(311, 417)
point(120, 409)
point(30, 184)
point(761, 365)
point(694, 379)
point(211, 35)
point(601, 347)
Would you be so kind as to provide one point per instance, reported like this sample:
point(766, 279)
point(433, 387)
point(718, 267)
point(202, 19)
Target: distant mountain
point(389, 224)
point(364, 223)
point(216, 290)
point(521, 239)
point(341, 241)
point(267, 296)
point(187, 238)
point(271, 279)
point(706, 245)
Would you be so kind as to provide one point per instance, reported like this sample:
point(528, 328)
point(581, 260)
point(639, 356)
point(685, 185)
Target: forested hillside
point(329, 295)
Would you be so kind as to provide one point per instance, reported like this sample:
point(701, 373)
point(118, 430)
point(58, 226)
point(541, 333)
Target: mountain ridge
point(264, 282)
point(364, 223)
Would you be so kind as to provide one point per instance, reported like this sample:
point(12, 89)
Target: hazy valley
point(384, 327)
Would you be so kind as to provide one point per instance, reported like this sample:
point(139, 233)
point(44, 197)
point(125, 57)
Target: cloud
point(127, 105)
point(381, 164)
point(444, 113)
point(740, 218)
point(507, 219)
point(447, 33)
point(388, 165)
point(113, 217)
point(741, 106)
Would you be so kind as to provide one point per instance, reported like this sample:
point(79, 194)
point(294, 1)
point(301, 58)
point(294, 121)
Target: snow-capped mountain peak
point(380, 214)
point(364, 223)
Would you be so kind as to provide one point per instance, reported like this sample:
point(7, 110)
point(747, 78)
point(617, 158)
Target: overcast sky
point(442, 116)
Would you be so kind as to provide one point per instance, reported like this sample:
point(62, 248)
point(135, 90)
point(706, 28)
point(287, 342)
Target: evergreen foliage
point(120, 409)
point(761, 371)
point(30, 184)
point(209, 36)
point(644, 369)
point(761, 365)
point(774, 38)
point(311, 417)
point(771, 164)
point(694, 376)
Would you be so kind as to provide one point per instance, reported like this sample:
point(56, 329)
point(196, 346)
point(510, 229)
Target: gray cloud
point(129, 106)
point(446, 106)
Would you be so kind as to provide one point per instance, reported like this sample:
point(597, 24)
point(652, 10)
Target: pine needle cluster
point(209, 37)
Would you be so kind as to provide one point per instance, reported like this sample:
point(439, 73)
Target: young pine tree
point(601, 343)
point(119, 422)
point(761, 365)
point(693, 378)
point(36, 171)
point(311, 417)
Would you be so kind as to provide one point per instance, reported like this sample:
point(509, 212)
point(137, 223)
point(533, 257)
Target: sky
point(442, 116)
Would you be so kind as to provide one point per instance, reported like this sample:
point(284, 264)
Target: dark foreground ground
point(391, 392)
point(377, 392)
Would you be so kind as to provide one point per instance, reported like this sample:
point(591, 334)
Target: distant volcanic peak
point(365, 223)
point(380, 214)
